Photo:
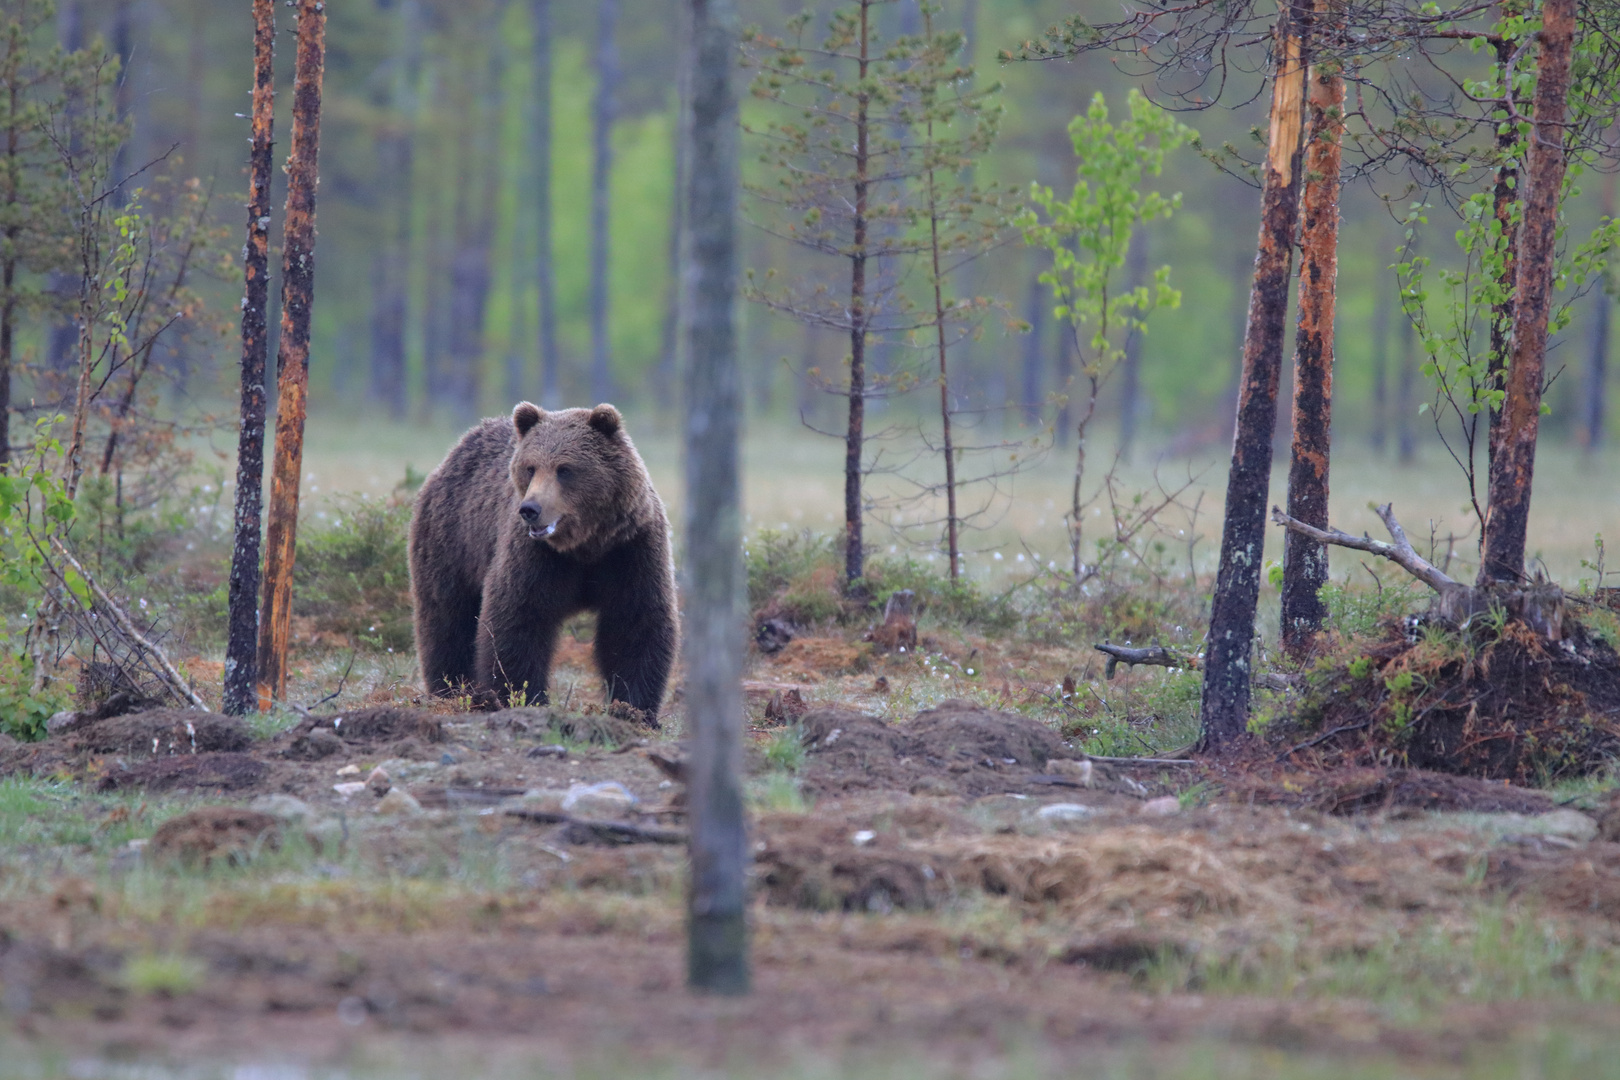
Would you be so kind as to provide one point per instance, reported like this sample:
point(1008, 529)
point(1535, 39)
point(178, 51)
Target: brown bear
point(525, 523)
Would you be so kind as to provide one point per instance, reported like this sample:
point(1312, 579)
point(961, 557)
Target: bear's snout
point(531, 512)
point(532, 516)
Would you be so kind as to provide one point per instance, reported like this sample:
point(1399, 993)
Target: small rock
point(315, 745)
point(546, 800)
point(548, 750)
point(448, 758)
point(863, 837)
point(283, 807)
point(609, 799)
point(399, 801)
point(1065, 811)
point(772, 635)
point(1073, 770)
point(379, 782)
point(349, 770)
point(60, 720)
point(352, 787)
point(1163, 806)
point(1571, 823)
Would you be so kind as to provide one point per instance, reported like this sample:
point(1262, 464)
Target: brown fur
point(490, 596)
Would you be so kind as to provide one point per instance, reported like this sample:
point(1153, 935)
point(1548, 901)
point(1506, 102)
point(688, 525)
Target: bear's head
point(579, 481)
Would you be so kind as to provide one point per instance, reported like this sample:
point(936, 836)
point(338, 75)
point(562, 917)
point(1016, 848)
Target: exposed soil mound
point(383, 723)
point(1353, 790)
point(214, 832)
point(159, 732)
point(208, 771)
point(1491, 700)
point(956, 748)
point(960, 730)
point(818, 866)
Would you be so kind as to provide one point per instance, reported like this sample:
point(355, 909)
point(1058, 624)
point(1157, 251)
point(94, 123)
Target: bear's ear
point(525, 416)
point(606, 419)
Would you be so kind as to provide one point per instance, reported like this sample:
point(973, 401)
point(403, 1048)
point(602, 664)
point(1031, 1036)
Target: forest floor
point(941, 888)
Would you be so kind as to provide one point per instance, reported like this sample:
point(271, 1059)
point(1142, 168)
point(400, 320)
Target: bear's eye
point(565, 473)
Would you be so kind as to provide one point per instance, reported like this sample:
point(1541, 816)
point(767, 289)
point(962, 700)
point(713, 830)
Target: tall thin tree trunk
point(123, 42)
point(1405, 385)
point(1504, 200)
point(1507, 520)
point(292, 357)
point(1067, 353)
point(1034, 347)
point(1130, 373)
point(668, 363)
point(390, 275)
point(8, 267)
point(1305, 563)
point(602, 116)
point(1379, 436)
point(1594, 407)
point(936, 275)
point(545, 274)
point(854, 439)
point(242, 646)
point(1225, 708)
point(717, 943)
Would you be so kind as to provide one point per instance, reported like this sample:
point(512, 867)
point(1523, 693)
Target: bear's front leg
point(517, 633)
point(636, 628)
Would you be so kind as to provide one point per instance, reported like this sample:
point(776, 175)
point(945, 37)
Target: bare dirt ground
point(942, 886)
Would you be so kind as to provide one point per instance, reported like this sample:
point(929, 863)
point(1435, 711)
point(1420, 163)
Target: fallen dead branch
point(1401, 552)
point(1152, 656)
point(171, 678)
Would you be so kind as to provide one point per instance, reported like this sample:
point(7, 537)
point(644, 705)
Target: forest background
point(428, 258)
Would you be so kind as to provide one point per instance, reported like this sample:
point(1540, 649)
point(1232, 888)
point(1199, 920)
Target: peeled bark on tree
point(1224, 712)
point(1305, 563)
point(292, 357)
point(602, 115)
point(717, 943)
point(545, 273)
point(241, 649)
point(1130, 369)
point(1513, 468)
point(854, 438)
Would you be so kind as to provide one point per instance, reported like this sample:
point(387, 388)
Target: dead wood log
point(1153, 656)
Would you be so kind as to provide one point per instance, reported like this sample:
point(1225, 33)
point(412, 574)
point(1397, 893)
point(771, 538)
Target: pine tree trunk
point(242, 646)
point(668, 362)
point(602, 116)
point(854, 439)
point(1379, 437)
point(292, 356)
point(1130, 372)
point(1225, 708)
point(717, 949)
point(1305, 562)
point(545, 273)
point(1508, 518)
point(390, 281)
point(1034, 342)
point(1594, 408)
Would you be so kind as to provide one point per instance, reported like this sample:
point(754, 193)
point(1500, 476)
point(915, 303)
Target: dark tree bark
point(1034, 344)
point(855, 435)
point(1379, 436)
point(602, 117)
point(1305, 562)
point(390, 281)
point(1512, 470)
point(241, 650)
point(1504, 200)
point(292, 356)
point(545, 273)
point(668, 362)
point(1130, 373)
point(1224, 712)
point(717, 949)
